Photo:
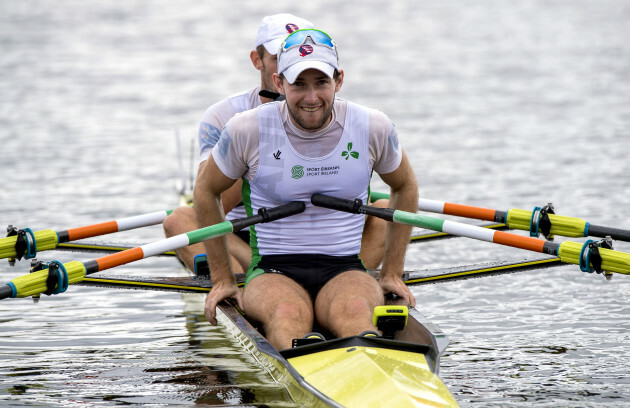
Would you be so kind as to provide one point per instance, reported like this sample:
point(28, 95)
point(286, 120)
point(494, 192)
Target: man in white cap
point(271, 32)
point(306, 267)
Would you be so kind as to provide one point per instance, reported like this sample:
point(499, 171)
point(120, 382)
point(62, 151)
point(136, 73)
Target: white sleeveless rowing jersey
point(284, 175)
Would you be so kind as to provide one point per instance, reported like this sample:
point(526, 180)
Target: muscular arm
point(230, 197)
point(403, 196)
point(210, 184)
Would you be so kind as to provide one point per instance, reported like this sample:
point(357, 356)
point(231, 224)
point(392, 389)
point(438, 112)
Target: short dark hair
point(261, 51)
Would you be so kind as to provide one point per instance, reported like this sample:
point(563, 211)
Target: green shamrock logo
point(349, 152)
point(297, 172)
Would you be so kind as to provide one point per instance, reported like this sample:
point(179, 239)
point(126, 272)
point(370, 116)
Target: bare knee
point(382, 203)
point(352, 316)
point(181, 220)
point(356, 307)
point(288, 311)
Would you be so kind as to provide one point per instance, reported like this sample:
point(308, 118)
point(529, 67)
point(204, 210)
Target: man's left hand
point(396, 286)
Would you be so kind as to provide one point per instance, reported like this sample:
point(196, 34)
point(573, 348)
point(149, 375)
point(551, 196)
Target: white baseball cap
point(310, 49)
point(274, 29)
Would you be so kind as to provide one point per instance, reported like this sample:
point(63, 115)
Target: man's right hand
point(220, 291)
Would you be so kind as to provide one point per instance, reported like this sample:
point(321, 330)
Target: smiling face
point(310, 98)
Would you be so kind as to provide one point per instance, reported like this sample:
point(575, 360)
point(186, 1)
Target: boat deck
point(355, 370)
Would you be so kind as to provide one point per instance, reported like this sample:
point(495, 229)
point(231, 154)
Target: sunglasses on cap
point(299, 37)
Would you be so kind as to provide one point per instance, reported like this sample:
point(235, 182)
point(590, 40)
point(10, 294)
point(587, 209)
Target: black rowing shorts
point(312, 271)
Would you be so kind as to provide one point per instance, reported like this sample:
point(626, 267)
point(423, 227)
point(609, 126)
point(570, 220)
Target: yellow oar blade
point(560, 225)
point(611, 261)
point(35, 283)
point(41, 240)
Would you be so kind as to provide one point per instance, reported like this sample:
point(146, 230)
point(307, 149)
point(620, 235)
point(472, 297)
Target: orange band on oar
point(467, 211)
point(518, 241)
point(92, 230)
point(120, 258)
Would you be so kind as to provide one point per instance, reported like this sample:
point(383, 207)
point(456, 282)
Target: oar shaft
point(158, 247)
point(569, 252)
point(471, 231)
point(603, 232)
point(442, 207)
point(35, 283)
point(192, 237)
point(109, 227)
point(48, 239)
point(519, 219)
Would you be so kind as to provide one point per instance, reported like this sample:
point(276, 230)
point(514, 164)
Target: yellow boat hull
point(355, 371)
point(374, 377)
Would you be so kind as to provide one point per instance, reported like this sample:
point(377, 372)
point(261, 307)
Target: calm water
point(499, 104)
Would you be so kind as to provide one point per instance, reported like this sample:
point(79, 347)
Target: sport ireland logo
point(297, 172)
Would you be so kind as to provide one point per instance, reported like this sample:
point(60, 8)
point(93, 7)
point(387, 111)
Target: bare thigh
point(281, 305)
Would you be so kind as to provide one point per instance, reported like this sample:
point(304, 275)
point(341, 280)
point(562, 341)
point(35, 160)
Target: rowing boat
point(399, 369)
point(354, 371)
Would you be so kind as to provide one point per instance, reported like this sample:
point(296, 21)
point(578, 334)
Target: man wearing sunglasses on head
point(271, 32)
point(306, 267)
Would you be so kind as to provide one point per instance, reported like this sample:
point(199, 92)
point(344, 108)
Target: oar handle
point(351, 206)
point(271, 214)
